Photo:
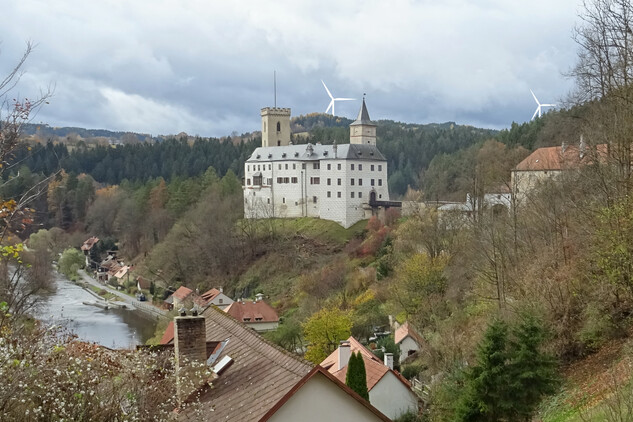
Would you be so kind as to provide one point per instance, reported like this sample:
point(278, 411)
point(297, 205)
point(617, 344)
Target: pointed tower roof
point(363, 116)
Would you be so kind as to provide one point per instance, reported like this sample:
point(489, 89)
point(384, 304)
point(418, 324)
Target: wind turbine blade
point(548, 105)
point(536, 112)
point(328, 91)
point(535, 99)
point(344, 99)
point(329, 106)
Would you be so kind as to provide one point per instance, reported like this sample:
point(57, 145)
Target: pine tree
point(356, 377)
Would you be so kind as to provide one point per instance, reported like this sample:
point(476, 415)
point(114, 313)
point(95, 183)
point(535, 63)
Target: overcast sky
point(206, 67)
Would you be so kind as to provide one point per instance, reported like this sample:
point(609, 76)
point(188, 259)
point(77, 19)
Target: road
point(129, 301)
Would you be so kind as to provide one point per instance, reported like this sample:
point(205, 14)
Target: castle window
point(286, 180)
point(338, 194)
point(329, 194)
point(315, 166)
point(248, 168)
point(360, 194)
point(379, 182)
point(294, 180)
point(303, 166)
point(329, 182)
point(352, 166)
point(278, 143)
point(379, 167)
point(264, 126)
point(314, 199)
point(360, 182)
point(279, 166)
point(270, 166)
point(248, 182)
point(372, 182)
point(270, 181)
point(352, 193)
point(338, 166)
point(280, 180)
point(286, 166)
point(278, 127)
point(360, 167)
point(257, 180)
point(372, 167)
point(329, 166)
point(268, 201)
point(294, 166)
point(338, 182)
point(258, 168)
point(283, 200)
point(315, 180)
point(352, 181)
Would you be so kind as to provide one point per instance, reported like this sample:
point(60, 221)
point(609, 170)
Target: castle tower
point(362, 131)
point(275, 126)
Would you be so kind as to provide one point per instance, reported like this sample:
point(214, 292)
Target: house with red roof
point(389, 391)
point(214, 297)
point(258, 314)
point(183, 296)
point(408, 340)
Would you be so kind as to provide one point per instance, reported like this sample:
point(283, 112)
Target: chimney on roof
point(190, 348)
point(389, 360)
point(563, 147)
point(259, 297)
point(344, 353)
point(221, 290)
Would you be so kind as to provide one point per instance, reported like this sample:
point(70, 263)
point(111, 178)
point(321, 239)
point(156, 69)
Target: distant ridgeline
point(409, 149)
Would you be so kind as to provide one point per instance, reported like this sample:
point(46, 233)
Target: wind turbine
point(333, 99)
point(540, 106)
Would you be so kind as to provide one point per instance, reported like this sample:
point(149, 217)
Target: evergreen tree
point(356, 377)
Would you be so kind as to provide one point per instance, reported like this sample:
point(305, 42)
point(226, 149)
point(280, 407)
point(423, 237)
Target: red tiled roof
point(251, 311)
point(88, 244)
point(182, 292)
point(261, 375)
point(553, 158)
point(374, 370)
point(331, 362)
point(168, 335)
point(404, 331)
point(209, 295)
point(316, 371)
point(143, 283)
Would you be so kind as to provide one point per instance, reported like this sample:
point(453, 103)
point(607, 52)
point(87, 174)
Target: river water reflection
point(115, 328)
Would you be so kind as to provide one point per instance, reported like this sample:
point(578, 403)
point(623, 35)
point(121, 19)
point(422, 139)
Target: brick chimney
point(389, 360)
point(190, 348)
point(344, 353)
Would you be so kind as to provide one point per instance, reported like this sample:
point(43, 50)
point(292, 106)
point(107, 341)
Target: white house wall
point(407, 345)
point(392, 397)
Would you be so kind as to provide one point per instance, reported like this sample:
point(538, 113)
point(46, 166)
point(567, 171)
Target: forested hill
point(409, 149)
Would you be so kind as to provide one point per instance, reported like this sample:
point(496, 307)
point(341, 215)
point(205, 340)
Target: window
point(371, 167)
point(220, 300)
point(360, 167)
point(352, 181)
point(379, 167)
point(360, 182)
point(280, 180)
point(278, 126)
point(283, 200)
point(270, 181)
point(315, 166)
point(315, 180)
point(270, 166)
point(338, 194)
point(257, 180)
point(248, 168)
point(352, 166)
point(338, 182)
point(294, 166)
point(314, 199)
point(303, 166)
point(379, 182)
point(338, 166)
point(286, 166)
point(286, 180)
point(329, 166)
point(329, 194)
point(294, 180)
point(248, 182)
point(352, 194)
point(360, 194)
point(278, 143)
point(329, 182)
point(268, 201)
point(372, 182)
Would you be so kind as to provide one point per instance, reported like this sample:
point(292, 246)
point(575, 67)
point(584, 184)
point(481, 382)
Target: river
point(114, 328)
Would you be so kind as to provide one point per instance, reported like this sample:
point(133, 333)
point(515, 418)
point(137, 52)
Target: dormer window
point(296, 154)
point(283, 155)
point(270, 156)
point(258, 319)
point(258, 156)
point(246, 319)
point(325, 153)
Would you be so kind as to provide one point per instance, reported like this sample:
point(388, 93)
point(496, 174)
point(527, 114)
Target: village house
point(258, 314)
point(87, 247)
point(389, 391)
point(254, 380)
point(343, 183)
point(214, 297)
point(408, 340)
point(183, 296)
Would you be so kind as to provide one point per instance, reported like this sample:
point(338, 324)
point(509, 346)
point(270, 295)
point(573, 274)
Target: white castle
point(342, 183)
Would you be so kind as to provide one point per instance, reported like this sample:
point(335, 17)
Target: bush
point(409, 417)
point(411, 371)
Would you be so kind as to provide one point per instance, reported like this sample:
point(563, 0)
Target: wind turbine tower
point(333, 100)
point(539, 108)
